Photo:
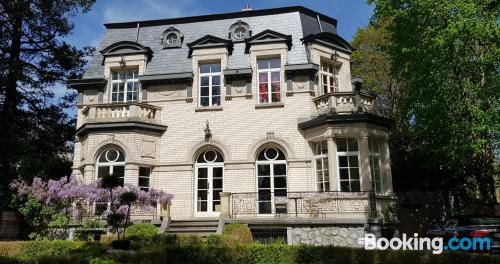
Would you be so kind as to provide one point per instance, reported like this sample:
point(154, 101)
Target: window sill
point(270, 105)
point(208, 108)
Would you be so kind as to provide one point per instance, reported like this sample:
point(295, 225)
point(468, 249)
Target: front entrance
point(209, 183)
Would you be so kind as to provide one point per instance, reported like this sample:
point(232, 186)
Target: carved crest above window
point(171, 38)
point(239, 31)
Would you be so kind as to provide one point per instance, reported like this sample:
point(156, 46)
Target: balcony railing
point(345, 103)
point(120, 112)
point(304, 204)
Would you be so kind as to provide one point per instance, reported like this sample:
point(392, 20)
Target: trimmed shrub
point(141, 231)
point(237, 234)
point(64, 252)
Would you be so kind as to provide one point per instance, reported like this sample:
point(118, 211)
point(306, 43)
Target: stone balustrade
point(121, 112)
point(345, 103)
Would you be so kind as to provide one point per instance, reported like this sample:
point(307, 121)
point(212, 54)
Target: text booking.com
point(437, 244)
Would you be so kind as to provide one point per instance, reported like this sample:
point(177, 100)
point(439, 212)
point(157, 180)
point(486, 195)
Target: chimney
point(247, 8)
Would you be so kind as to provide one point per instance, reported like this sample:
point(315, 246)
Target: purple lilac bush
point(77, 199)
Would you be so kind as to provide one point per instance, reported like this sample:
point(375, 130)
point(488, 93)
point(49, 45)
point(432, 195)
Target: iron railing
point(303, 204)
point(99, 211)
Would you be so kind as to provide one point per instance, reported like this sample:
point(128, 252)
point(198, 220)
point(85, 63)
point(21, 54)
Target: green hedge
point(191, 250)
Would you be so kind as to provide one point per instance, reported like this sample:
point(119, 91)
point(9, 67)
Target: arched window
point(209, 182)
point(111, 162)
point(271, 180)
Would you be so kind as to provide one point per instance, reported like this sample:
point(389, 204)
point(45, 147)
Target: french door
point(209, 179)
point(271, 182)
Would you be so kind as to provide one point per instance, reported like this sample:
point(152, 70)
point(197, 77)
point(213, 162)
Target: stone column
point(131, 174)
point(386, 167)
point(332, 165)
point(364, 162)
point(88, 173)
point(224, 205)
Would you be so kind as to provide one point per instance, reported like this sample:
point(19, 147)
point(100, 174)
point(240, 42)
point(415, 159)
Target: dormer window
point(124, 85)
point(239, 31)
point(171, 38)
point(329, 78)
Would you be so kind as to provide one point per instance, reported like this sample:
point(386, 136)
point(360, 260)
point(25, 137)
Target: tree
point(447, 54)
point(34, 59)
point(370, 61)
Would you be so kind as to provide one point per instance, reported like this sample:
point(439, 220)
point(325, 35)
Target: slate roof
point(298, 22)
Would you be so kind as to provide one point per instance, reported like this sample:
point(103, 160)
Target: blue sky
point(89, 28)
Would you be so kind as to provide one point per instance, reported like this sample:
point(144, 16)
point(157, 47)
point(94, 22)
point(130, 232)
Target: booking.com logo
point(437, 244)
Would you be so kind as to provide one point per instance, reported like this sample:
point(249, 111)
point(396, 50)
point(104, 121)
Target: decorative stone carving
point(148, 147)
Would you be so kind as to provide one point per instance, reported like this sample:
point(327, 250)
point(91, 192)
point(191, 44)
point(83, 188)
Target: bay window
point(321, 166)
point(125, 85)
point(329, 78)
point(210, 84)
point(269, 80)
point(348, 160)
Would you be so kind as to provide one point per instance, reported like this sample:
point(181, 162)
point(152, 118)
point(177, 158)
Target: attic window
point(171, 38)
point(239, 31)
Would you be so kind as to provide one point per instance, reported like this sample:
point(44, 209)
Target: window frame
point(324, 184)
point(330, 76)
point(110, 164)
point(269, 82)
point(349, 154)
point(210, 76)
point(135, 79)
point(272, 188)
point(144, 188)
point(372, 155)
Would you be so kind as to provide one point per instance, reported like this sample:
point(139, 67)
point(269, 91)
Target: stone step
point(181, 224)
point(191, 229)
point(201, 227)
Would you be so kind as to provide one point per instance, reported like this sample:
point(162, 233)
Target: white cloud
point(147, 10)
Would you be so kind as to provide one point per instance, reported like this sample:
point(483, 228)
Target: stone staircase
point(201, 227)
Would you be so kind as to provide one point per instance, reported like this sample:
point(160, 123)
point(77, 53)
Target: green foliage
point(237, 234)
point(370, 61)
point(39, 216)
point(36, 60)
point(141, 231)
point(78, 252)
point(444, 55)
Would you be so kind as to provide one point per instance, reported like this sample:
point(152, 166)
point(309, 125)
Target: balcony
point(345, 103)
point(120, 116)
point(304, 205)
point(121, 112)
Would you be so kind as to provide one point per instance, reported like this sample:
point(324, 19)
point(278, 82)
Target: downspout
point(319, 23)
point(137, 34)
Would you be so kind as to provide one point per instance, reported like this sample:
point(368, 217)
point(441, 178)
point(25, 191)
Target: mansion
point(247, 117)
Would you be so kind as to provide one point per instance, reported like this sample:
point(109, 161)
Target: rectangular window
point(144, 177)
point(321, 166)
point(348, 163)
point(374, 148)
point(329, 78)
point(125, 86)
point(210, 84)
point(269, 80)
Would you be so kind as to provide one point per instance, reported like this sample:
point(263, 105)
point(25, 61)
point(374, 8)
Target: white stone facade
point(240, 128)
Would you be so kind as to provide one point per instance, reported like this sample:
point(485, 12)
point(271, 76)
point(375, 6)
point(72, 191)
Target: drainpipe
point(319, 23)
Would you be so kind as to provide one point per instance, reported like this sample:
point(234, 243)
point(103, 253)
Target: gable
point(268, 36)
